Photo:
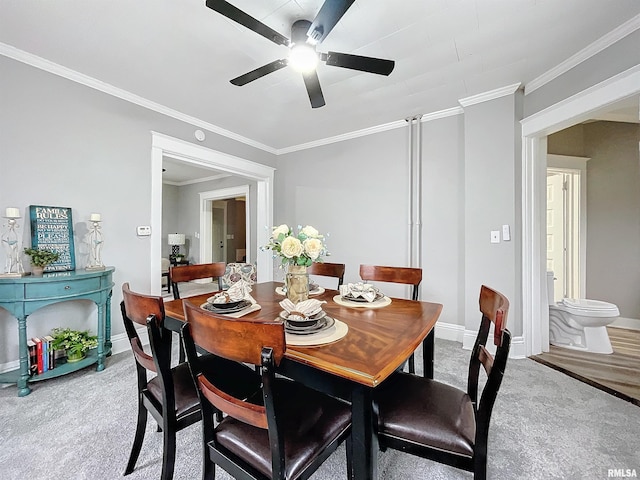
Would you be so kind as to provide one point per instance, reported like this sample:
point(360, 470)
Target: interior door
point(556, 251)
point(218, 232)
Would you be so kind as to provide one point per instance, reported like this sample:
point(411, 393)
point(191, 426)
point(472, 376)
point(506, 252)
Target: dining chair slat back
point(440, 422)
point(172, 408)
point(250, 441)
point(187, 273)
point(325, 269)
point(403, 275)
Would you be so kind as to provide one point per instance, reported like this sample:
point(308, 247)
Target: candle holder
point(95, 241)
point(11, 242)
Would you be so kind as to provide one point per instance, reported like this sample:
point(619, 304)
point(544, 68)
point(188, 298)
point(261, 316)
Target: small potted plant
point(40, 258)
point(74, 342)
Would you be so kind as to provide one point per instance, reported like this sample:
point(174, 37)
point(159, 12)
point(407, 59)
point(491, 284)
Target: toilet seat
point(588, 308)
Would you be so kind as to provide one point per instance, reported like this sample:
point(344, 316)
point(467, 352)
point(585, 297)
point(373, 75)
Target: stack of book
point(42, 356)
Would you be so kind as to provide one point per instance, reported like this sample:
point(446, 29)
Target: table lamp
point(175, 240)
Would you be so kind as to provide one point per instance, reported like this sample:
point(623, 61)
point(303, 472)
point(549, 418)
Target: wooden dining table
point(378, 342)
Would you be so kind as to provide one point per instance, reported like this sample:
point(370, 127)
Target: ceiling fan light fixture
point(303, 58)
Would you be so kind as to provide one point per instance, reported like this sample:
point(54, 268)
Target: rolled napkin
point(238, 291)
point(302, 310)
point(363, 290)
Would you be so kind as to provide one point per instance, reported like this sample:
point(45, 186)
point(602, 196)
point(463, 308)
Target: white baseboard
point(119, 344)
point(622, 322)
point(7, 367)
point(446, 331)
point(517, 349)
point(449, 331)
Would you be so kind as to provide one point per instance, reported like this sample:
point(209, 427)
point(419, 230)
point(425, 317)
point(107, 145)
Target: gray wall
point(64, 144)
point(613, 208)
point(491, 186)
point(358, 191)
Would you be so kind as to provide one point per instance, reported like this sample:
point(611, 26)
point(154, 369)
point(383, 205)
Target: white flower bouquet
point(301, 249)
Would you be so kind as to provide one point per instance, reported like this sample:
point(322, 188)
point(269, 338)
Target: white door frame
point(206, 201)
point(577, 168)
point(165, 146)
point(535, 129)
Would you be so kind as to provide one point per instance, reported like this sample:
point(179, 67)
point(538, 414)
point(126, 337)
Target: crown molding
point(369, 131)
point(490, 95)
point(342, 137)
point(197, 180)
point(589, 51)
point(64, 72)
point(449, 112)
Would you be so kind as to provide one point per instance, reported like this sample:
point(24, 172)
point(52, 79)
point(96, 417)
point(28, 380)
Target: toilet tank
point(550, 294)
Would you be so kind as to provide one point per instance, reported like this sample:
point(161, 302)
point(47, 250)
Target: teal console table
point(24, 295)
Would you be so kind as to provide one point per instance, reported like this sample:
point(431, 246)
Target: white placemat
point(253, 308)
point(318, 291)
point(331, 334)
point(383, 302)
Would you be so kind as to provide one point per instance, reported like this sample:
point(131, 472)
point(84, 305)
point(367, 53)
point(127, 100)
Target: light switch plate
point(495, 236)
point(506, 233)
point(144, 230)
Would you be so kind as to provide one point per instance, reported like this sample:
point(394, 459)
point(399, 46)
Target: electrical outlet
point(495, 236)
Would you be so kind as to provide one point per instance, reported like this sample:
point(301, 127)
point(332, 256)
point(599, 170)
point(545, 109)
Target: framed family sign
point(52, 229)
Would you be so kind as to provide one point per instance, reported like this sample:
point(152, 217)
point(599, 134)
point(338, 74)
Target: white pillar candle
point(12, 212)
point(95, 217)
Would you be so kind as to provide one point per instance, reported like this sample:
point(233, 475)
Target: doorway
point(578, 108)
point(565, 219)
point(229, 230)
point(163, 145)
point(225, 225)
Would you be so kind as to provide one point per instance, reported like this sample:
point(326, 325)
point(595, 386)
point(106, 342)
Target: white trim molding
point(449, 112)
point(580, 106)
point(197, 180)
point(490, 95)
point(517, 349)
point(586, 53)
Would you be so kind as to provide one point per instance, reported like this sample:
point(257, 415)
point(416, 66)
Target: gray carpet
point(546, 425)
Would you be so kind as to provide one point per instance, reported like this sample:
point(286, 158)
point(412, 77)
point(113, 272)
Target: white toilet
point(580, 324)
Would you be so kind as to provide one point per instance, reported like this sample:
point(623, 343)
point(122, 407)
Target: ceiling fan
point(305, 36)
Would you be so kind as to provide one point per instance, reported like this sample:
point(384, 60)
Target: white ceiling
point(181, 55)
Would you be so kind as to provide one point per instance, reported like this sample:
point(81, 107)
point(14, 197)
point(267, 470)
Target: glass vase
point(297, 282)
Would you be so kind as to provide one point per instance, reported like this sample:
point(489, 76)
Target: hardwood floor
point(617, 374)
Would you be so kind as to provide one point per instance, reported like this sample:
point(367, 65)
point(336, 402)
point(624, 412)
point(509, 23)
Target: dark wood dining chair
point(187, 273)
point(324, 269)
point(404, 275)
point(170, 396)
point(286, 430)
point(434, 420)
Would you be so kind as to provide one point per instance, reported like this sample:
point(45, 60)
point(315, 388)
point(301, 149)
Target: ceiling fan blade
point(356, 62)
point(237, 15)
point(259, 72)
point(329, 15)
point(312, 83)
